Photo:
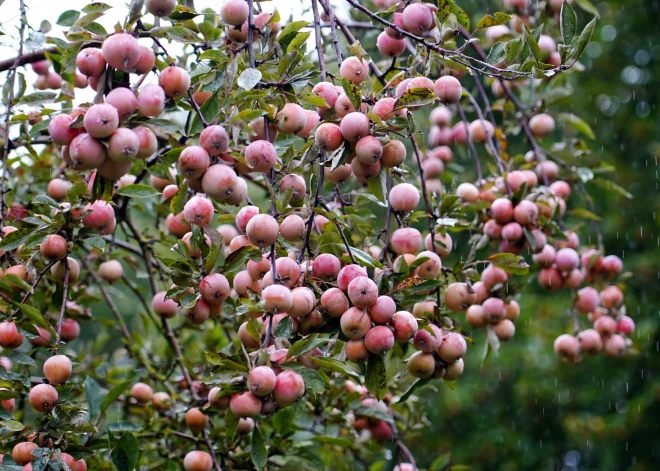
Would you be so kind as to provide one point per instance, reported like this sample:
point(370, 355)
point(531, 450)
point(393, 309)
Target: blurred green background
point(525, 410)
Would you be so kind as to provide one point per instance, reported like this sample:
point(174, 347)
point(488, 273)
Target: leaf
point(531, 42)
point(375, 378)
point(258, 451)
point(138, 191)
point(113, 394)
point(497, 53)
point(363, 258)
point(378, 186)
point(7, 394)
point(183, 35)
point(416, 385)
point(249, 78)
point(239, 257)
point(584, 214)
point(20, 358)
point(35, 315)
point(444, 10)
point(179, 199)
point(96, 242)
point(567, 22)
point(183, 13)
point(125, 452)
point(441, 462)
point(93, 395)
point(284, 328)
point(589, 7)
point(12, 426)
point(585, 174)
point(38, 98)
point(14, 239)
point(134, 11)
point(298, 41)
point(68, 18)
point(577, 123)
point(513, 49)
point(462, 17)
point(17, 282)
point(224, 361)
point(353, 93)
point(509, 262)
point(292, 27)
point(336, 366)
point(489, 20)
point(96, 7)
point(415, 97)
point(583, 40)
point(611, 186)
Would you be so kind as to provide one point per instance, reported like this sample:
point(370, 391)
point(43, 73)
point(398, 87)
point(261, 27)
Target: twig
point(10, 100)
point(195, 106)
point(250, 35)
point(317, 198)
point(65, 295)
point(319, 39)
point(341, 232)
point(333, 31)
point(473, 149)
point(429, 210)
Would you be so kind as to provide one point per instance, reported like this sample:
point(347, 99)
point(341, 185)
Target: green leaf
point(336, 366)
point(14, 239)
point(93, 395)
point(298, 41)
point(292, 27)
point(17, 282)
point(124, 426)
point(416, 385)
point(125, 452)
point(589, 7)
point(224, 361)
point(497, 53)
point(68, 18)
point(531, 42)
point(249, 79)
point(585, 174)
point(12, 426)
point(284, 328)
point(209, 110)
point(179, 199)
point(584, 214)
point(583, 40)
point(7, 394)
point(489, 20)
point(510, 262)
point(567, 22)
point(182, 34)
point(239, 257)
point(577, 123)
point(38, 98)
point(353, 93)
point(378, 186)
point(441, 463)
point(611, 186)
point(20, 358)
point(462, 17)
point(113, 394)
point(375, 378)
point(183, 13)
point(363, 258)
point(258, 451)
point(513, 49)
point(138, 191)
point(415, 97)
point(96, 242)
point(34, 315)
point(444, 10)
point(96, 7)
